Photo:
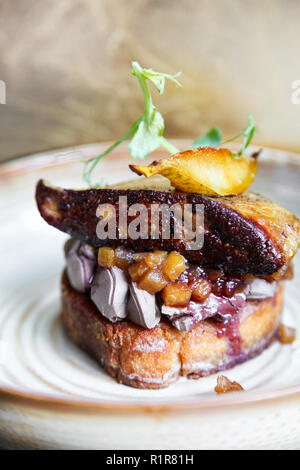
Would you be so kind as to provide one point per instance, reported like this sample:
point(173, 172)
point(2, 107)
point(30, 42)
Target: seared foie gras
point(243, 234)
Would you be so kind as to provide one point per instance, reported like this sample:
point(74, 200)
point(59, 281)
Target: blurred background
point(66, 68)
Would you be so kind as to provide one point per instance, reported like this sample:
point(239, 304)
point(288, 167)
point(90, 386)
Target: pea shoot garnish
point(146, 134)
point(213, 138)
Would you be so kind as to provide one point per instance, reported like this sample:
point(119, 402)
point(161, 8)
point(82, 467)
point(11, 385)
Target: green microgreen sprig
point(213, 138)
point(146, 134)
point(247, 135)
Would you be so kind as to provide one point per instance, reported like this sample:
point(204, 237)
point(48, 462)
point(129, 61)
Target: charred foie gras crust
point(243, 234)
point(155, 358)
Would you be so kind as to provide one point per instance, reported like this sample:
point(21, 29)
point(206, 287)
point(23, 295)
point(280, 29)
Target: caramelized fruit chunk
point(204, 170)
point(139, 256)
point(137, 270)
point(224, 385)
point(153, 281)
point(167, 268)
point(201, 288)
point(176, 294)
point(155, 258)
point(286, 334)
point(106, 257)
point(153, 271)
point(174, 265)
point(123, 258)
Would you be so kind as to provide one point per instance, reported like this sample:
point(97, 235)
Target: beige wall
point(66, 63)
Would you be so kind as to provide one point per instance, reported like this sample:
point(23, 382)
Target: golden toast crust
point(154, 358)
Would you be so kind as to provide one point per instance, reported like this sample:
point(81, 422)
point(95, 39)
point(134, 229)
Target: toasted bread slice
point(154, 358)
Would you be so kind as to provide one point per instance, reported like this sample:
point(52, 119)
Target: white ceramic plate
point(53, 395)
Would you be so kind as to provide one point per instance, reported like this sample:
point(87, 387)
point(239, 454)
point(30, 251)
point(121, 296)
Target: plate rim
point(67, 155)
point(228, 400)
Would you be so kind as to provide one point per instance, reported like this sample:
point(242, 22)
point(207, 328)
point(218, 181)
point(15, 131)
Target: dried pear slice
point(204, 170)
